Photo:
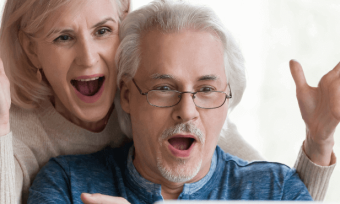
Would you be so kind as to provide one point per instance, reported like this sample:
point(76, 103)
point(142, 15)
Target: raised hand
point(320, 109)
point(99, 198)
point(5, 102)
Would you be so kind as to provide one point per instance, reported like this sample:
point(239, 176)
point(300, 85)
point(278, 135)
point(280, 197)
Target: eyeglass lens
point(167, 98)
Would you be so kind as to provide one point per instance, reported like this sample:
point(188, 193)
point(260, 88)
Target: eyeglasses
point(170, 98)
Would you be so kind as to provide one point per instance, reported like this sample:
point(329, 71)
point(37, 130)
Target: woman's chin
point(90, 116)
point(92, 119)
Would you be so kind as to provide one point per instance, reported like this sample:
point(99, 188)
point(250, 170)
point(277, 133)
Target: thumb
point(2, 71)
point(334, 98)
point(99, 198)
point(297, 74)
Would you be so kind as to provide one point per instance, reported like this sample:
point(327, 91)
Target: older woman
point(59, 59)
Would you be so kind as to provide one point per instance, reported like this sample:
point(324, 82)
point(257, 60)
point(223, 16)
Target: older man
point(179, 74)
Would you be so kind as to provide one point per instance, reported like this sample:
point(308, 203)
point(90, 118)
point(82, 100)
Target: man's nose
point(87, 54)
point(186, 109)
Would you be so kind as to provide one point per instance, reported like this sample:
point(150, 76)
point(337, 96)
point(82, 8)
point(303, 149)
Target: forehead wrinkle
point(104, 21)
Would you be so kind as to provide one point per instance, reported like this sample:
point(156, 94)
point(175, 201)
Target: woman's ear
point(127, 8)
point(30, 49)
point(124, 96)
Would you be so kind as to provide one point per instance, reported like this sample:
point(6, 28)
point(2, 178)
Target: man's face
point(176, 143)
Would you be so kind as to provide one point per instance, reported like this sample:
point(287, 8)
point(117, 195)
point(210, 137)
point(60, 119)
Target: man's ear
point(30, 49)
point(124, 96)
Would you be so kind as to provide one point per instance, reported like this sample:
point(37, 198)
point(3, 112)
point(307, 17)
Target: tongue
point(181, 143)
point(87, 88)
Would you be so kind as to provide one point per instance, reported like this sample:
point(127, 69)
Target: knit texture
point(43, 133)
point(7, 171)
point(314, 175)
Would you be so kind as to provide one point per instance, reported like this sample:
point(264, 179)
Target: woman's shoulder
point(21, 117)
point(21, 114)
point(26, 125)
point(22, 120)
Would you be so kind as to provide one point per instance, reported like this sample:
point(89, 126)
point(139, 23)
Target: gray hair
point(174, 16)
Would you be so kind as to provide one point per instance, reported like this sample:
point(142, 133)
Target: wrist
point(319, 151)
point(4, 129)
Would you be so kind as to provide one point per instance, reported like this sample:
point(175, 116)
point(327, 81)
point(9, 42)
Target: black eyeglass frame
point(180, 96)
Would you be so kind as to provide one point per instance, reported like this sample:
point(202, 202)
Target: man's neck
point(170, 190)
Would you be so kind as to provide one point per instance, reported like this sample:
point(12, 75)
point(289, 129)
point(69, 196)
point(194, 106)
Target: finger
point(337, 68)
point(334, 98)
point(2, 71)
point(99, 198)
point(297, 74)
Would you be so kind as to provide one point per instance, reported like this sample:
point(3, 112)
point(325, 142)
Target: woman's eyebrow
point(56, 30)
point(104, 21)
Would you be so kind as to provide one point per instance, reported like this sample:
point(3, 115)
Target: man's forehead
point(187, 55)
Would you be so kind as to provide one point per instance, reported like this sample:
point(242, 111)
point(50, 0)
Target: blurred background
point(270, 33)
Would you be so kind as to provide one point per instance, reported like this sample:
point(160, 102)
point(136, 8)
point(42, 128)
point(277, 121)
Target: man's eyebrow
point(208, 78)
point(104, 21)
point(162, 76)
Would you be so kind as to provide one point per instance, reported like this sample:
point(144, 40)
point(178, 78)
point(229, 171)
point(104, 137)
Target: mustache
point(184, 128)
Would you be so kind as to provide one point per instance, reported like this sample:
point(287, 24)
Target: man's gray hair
point(174, 16)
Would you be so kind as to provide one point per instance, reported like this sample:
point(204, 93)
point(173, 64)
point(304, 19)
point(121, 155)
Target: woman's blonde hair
point(28, 17)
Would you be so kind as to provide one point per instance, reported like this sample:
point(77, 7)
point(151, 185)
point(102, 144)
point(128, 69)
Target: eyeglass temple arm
point(230, 95)
point(140, 91)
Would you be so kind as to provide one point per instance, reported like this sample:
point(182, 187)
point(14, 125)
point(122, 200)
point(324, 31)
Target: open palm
point(320, 109)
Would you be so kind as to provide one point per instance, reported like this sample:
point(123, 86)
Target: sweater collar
point(57, 126)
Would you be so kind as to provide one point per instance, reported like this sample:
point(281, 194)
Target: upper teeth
point(91, 79)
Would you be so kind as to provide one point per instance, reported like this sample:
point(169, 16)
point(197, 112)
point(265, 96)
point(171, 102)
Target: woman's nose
point(87, 54)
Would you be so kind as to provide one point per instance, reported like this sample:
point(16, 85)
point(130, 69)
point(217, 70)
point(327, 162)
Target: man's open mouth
point(88, 87)
point(181, 146)
point(181, 143)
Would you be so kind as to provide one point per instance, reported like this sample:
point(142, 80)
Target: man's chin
point(181, 172)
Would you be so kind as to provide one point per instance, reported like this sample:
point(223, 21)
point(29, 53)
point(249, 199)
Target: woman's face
point(76, 50)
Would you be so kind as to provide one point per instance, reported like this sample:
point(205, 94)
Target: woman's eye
point(102, 31)
point(62, 38)
point(163, 88)
point(206, 89)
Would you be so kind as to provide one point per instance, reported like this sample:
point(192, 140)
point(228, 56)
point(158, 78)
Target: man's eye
point(102, 31)
point(206, 89)
point(163, 88)
point(62, 38)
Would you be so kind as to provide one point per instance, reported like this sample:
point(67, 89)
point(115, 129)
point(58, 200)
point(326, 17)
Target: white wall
point(271, 33)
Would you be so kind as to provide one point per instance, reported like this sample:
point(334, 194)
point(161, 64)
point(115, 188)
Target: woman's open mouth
point(181, 146)
point(87, 89)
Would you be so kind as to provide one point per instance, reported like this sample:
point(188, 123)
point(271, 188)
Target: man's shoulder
point(258, 168)
point(236, 179)
point(106, 158)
